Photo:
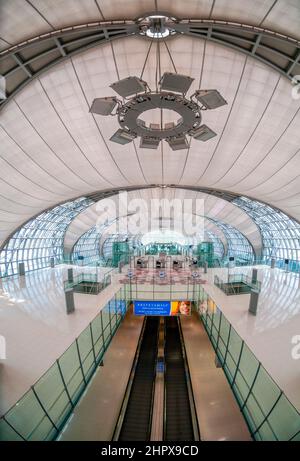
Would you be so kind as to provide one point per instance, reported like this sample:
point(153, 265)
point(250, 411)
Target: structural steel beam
point(21, 63)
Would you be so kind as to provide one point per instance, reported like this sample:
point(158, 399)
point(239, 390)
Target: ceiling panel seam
point(226, 122)
point(251, 135)
point(71, 136)
point(100, 132)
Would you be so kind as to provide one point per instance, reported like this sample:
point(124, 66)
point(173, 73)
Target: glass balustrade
point(43, 411)
point(268, 412)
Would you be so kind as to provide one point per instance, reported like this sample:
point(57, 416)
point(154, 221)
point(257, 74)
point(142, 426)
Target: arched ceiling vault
point(52, 149)
point(213, 208)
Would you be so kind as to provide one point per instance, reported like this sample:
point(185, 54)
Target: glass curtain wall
point(88, 246)
point(280, 234)
point(237, 244)
point(219, 250)
point(134, 242)
point(40, 238)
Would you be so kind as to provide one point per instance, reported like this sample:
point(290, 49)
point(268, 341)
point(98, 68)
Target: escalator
point(136, 422)
point(180, 422)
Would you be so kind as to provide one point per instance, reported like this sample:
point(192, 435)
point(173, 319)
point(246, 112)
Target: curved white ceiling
point(214, 207)
point(52, 149)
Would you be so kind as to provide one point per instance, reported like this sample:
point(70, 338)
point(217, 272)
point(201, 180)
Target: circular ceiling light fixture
point(156, 25)
point(170, 95)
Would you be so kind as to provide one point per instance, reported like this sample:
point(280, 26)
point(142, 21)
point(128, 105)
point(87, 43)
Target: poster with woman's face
point(181, 308)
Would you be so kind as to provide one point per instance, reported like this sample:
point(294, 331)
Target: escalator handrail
point(165, 384)
point(195, 423)
point(153, 387)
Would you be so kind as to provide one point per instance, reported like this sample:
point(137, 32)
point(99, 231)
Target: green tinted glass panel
point(248, 365)
point(254, 412)
point(229, 367)
point(265, 391)
point(71, 371)
point(296, 438)
point(105, 316)
point(99, 348)
point(97, 336)
point(29, 419)
point(96, 328)
point(208, 324)
point(224, 329)
point(107, 336)
point(234, 346)
point(51, 392)
point(7, 433)
point(44, 431)
point(214, 336)
point(37, 418)
point(241, 387)
point(113, 325)
point(217, 319)
point(204, 318)
point(88, 365)
point(265, 433)
point(284, 419)
point(221, 348)
point(85, 343)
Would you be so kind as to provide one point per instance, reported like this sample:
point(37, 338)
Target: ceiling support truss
point(23, 62)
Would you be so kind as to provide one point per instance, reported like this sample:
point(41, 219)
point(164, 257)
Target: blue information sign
point(152, 307)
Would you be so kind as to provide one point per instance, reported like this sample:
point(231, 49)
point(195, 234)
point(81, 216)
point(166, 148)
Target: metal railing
point(91, 283)
point(233, 284)
point(292, 266)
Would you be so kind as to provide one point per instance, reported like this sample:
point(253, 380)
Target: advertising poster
point(162, 308)
point(181, 308)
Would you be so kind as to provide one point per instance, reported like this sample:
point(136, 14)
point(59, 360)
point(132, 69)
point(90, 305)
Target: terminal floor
point(37, 329)
point(171, 276)
point(219, 416)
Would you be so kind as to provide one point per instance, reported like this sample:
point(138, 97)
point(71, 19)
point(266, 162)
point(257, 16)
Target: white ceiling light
point(203, 133)
point(156, 26)
point(129, 86)
point(175, 82)
point(129, 111)
point(178, 143)
point(104, 106)
point(170, 95)
point(211, 99)
point(149, 143)
point(123, 136)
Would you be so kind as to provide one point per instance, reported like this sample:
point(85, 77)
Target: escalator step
point(137, 416)
point(178, 413)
